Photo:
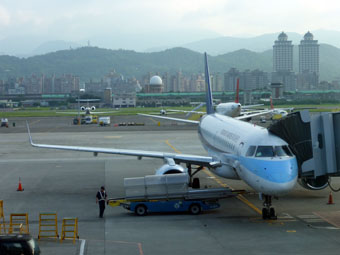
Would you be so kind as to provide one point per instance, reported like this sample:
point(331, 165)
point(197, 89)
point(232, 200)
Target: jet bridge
point(315, 140)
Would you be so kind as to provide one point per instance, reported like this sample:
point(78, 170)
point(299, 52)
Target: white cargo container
point(156, 185)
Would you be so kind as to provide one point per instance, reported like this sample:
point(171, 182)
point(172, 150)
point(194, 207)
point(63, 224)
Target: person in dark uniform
point(101, 199)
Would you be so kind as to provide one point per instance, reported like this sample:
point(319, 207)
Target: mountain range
point(94, 63)
point(29, 45)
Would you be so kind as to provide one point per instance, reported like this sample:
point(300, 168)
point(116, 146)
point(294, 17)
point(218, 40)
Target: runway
point(66, 182)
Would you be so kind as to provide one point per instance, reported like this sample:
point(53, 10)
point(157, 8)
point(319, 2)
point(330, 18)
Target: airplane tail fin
point(209, 99)
point(237, 91)
point(271, 103)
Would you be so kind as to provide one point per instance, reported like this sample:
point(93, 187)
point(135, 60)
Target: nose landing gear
point(268, 212)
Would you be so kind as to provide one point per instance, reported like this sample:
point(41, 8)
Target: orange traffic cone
point(330, 199)
point(20, 186)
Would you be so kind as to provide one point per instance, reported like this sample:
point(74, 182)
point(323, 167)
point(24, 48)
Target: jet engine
point(93, 108)
point(83, 108)
point(317, 183)
point(170, 169)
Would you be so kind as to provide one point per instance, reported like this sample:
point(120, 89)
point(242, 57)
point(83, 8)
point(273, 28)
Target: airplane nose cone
point(272, 176)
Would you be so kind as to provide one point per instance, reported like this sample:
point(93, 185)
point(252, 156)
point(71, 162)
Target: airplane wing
point(170, 118)
point(192, 111)
point(82, 112)
point(252, 115)
point(178, 158)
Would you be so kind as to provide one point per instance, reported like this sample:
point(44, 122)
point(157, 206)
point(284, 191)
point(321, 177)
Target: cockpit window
point(270, 151)
point(265, 151)
point(251, 151)
point(282, 151)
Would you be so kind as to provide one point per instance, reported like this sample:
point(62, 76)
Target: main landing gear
point(268, 212)
point(194, 183)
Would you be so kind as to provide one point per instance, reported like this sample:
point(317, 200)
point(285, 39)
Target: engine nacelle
point(83, 108)
point(318, 183)
point(170, 169)
point(93, 108)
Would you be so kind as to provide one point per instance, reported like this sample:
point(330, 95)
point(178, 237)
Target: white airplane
point(237, 150)
point(87, 110)
point(231, 109)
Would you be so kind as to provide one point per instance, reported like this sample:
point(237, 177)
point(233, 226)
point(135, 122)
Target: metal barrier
point(18, 223)
point(70, 225)
point(2, 218)
point(48, 225)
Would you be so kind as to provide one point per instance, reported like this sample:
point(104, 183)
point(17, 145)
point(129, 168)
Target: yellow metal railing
point(48, 225)
point(19, 223)
point(2, 218)
point(69, 229)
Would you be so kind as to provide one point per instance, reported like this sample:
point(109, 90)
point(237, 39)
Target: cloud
point(5, 16)
point(78, 19)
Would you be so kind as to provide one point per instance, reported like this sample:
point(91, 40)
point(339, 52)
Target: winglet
point(29, 133)
point(209, 99)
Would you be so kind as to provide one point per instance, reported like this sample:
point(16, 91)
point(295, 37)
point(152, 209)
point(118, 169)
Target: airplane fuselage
point(250, 153)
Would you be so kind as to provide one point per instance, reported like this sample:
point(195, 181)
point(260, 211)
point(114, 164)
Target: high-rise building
point(282, 54)
point(283, 63)
point(309, 54)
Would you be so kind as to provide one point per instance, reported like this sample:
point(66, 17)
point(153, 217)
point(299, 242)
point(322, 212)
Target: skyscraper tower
point(309, 55)
point(283, 54)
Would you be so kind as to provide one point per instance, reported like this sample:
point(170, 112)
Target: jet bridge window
point(251, 151)
point(265, 151)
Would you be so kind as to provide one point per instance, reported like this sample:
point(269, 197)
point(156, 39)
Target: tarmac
point(66, 182)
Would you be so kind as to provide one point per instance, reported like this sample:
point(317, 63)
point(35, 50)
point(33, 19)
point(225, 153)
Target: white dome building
point(155, 85)
point(156, 80)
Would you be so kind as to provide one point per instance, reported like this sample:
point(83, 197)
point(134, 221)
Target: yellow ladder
point(2, 217)
point(48, 225)
point(70, 225)
point(19, 223)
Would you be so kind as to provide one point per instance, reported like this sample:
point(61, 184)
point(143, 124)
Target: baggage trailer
point(169, 193)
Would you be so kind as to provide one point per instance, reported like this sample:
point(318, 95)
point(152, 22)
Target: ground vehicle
point(4, 122)
point(94, 119)
point(104, 121)
point(168, 193)
point(18, 244)
point(88, 119)
point(143, 207)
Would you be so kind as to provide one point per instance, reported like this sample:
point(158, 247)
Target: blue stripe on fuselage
point(274, 170)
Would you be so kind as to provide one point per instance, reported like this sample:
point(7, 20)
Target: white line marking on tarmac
point(82, 247)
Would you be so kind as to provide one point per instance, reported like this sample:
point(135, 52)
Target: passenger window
point(251, 151)
point(264, 151)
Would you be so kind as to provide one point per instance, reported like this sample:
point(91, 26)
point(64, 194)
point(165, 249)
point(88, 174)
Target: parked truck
point(104, 121)
point(4, 122)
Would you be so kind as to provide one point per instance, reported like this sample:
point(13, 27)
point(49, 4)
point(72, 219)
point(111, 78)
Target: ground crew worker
point(101, 199)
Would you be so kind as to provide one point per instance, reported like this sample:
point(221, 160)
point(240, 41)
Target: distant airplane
point(87, 110)
point(231, 109)
point(237, 150)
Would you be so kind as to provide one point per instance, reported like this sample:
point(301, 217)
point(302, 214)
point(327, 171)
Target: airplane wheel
point(272, 214)
point(195, 209)
point(265, 213)
point(196, 183)
point(141, 210)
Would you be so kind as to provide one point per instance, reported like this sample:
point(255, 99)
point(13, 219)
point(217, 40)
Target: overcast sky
point(185, 20)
